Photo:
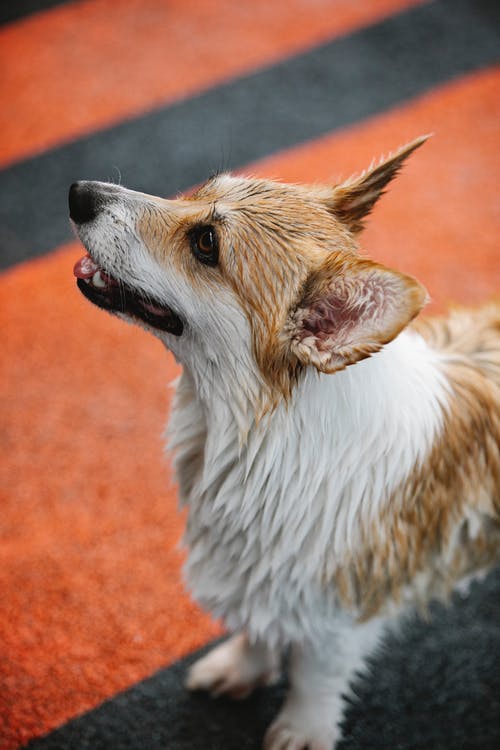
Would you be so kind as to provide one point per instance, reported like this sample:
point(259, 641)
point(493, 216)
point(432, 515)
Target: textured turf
point(92, 594)
point(12, 11)
point(79, 70)
point(432, 686)
point(92, 599)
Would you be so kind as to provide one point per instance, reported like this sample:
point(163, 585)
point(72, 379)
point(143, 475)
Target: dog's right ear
point(350, 308)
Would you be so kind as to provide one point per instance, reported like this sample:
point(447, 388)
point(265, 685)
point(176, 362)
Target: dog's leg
point(319, 676)
point(235, 668)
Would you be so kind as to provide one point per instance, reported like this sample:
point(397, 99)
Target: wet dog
point(340, 463)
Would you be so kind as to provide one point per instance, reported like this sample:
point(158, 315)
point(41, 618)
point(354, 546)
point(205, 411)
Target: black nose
point(82, 201)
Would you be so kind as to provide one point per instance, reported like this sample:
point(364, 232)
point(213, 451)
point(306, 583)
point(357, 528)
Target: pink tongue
point(155, 309)
point(85, 268)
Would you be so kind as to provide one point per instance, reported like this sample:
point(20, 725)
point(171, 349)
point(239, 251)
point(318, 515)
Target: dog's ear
point(353, 200)
point(350, 308)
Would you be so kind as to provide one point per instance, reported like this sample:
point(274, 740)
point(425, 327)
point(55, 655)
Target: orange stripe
point(87, 65)
point(440, 220)
point(92, 597)
point(90, 579)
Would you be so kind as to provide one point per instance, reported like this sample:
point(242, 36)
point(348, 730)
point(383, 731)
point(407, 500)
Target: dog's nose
point(82, 201)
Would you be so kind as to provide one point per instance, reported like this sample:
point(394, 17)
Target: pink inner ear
point(363, 307)
point(330, 318)
point(350, 311)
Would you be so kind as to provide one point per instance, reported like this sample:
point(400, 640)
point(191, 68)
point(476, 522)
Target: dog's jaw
point(108, 293)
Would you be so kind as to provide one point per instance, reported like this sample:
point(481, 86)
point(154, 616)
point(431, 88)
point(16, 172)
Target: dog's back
point(468, 339)
point(468, 342)
point(443, 522)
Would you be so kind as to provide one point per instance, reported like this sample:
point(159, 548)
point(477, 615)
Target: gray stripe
point(12, 10)
point(304, 97)
point(433, 685)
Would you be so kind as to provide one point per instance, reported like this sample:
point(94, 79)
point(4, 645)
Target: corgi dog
point(340, 462)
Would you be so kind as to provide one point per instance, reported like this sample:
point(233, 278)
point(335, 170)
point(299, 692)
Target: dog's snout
point(82, 202)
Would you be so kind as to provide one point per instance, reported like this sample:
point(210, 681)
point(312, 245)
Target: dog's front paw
point(289, 733)
point(234, 668)
point(283, 735)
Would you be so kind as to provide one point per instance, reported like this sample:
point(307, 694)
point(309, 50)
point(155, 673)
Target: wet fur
point(339, 463)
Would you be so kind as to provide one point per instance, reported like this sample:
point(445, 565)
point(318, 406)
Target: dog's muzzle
point(98, 284)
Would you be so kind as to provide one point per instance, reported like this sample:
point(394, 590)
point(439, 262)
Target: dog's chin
point(100, 288)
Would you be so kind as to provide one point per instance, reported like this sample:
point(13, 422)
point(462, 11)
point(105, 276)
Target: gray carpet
point(434, 686)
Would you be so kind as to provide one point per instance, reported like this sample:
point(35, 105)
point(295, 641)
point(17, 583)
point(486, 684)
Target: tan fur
point(354, 199)
point(273, 239)
point(444, 522)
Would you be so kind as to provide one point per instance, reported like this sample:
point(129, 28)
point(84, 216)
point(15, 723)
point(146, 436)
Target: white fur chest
point(270, 520)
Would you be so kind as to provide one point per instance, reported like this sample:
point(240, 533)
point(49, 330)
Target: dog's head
point(247, 273)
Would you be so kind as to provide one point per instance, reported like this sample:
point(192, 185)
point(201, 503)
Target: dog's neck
point(367, 427)
point(399, 389)
point(222, 371)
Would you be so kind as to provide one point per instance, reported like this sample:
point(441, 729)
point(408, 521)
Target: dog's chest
point(271, 521)
point(252, 557)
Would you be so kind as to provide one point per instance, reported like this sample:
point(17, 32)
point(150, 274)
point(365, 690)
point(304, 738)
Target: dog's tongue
point(85, 268)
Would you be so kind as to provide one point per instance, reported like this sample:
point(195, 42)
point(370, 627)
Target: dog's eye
point(204, 245)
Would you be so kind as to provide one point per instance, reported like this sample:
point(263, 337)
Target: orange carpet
point(92, 599)
point(89, 64)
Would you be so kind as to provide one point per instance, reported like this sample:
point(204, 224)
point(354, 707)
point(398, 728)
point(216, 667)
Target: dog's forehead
point(234, 190)
point(227, 186)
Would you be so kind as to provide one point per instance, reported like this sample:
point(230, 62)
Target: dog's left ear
point(353, 200)
point(350, 308)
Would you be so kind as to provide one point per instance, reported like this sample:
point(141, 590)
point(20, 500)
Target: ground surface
point(159, 94)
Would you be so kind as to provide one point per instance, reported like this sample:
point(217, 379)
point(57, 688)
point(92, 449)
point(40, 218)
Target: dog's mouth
point(110, 294)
